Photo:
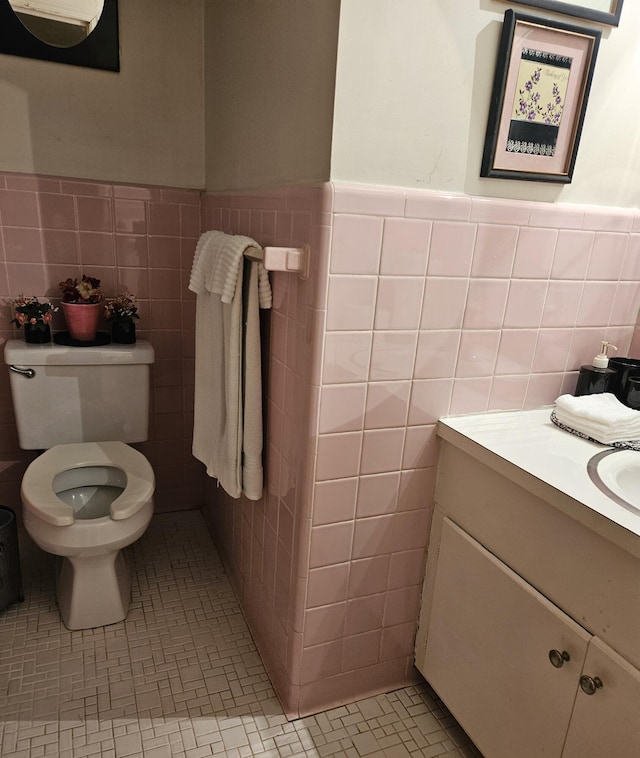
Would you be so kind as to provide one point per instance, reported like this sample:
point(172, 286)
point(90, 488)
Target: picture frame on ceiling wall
point(539, 99)
point(602, 11)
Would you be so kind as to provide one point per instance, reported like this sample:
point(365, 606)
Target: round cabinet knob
point(589, 684)
point(558, 658)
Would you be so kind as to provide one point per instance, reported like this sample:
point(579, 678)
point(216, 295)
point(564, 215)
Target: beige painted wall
point(270, 79)
point(144, 124)
point(412, 96)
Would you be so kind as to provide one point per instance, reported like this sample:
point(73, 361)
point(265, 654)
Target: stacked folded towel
point(602, 417)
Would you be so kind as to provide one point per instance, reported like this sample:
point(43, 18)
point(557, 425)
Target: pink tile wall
point(420, 305)
point(133, 238)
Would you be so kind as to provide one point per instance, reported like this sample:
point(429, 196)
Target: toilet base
point(94, 590)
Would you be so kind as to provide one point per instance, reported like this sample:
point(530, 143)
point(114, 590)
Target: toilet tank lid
point(19, 353)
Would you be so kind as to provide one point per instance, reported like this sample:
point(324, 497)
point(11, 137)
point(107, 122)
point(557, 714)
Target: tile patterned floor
point(180, 677)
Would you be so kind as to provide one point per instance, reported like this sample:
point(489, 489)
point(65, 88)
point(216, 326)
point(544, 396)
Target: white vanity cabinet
point(524, 612)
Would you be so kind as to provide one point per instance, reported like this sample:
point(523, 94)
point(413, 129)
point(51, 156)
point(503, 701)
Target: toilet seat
point(39, 496)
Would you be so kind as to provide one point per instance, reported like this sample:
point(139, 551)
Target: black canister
point(10, 577)
point(625, 368)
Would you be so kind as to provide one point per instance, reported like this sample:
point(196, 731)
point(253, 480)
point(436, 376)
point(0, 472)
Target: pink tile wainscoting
point(420, 304)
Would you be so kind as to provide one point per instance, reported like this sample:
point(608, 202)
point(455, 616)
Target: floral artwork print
point(541, 89)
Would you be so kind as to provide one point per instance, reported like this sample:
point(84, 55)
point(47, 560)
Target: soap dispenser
point(598, 377)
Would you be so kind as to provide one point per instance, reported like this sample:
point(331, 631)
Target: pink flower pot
point(82, 320)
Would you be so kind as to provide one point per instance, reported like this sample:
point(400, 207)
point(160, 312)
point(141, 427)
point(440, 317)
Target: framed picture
point(602, 11)
point(539, 98)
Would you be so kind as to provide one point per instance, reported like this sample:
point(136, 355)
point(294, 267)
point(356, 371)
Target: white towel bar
point(294, 260)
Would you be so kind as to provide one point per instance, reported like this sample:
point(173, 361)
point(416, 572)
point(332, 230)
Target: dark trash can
point(10, 578)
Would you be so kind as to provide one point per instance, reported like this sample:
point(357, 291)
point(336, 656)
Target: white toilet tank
point(79, 394)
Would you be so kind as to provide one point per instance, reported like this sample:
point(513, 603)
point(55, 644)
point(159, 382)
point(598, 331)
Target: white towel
point(601, 416)
point(227, 429)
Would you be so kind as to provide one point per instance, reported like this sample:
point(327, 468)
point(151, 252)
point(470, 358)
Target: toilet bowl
point(84, 502)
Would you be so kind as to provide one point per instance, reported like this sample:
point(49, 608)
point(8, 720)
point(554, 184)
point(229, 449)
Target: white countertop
point(528, 448)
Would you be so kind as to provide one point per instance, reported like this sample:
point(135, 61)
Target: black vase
point(36, 335)
point(123, 332)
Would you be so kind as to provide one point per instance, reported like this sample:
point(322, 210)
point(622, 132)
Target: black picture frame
point(611, 18)
point(101, 49)
point(537, 140)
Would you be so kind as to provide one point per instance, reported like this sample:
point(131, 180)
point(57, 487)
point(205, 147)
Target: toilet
point(89, 494)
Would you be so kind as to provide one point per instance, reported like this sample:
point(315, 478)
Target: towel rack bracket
point(290, 259)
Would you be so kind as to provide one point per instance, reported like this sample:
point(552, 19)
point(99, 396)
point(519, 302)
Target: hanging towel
point(601, 417)
point(227, 429)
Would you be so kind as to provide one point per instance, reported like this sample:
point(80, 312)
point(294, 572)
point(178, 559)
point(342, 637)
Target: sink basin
point(617, 474)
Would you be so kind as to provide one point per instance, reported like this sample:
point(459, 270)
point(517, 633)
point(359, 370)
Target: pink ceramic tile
point(32, 182)
point(351, 302)
point(534, 253)
point(368, 576)
point(324, 624)
point(381, 450)
point(516, 351)
point(406, 568)
point(595, 306)
point(22, 245)
point(60, 246)
point(437, 354)
point(411, 529)
point(609, 220)
point(399, 302)
point(130, 216)
point(495, 250)
point(364, 614)
point(131, 250)
point(397, 641)
point(500, 212)
point(631, 266)
point(19, 208)
point(556, 216)
point(342, 408)
point(607, 256)
point(562, 303)
point(356, 244)
point(485, 307)
point(436, 205)
point(166, 314)
point(346, 357)
point(98, 249)
point(164, 252)
point(372, 536)
point(508, 393)
point(625, 303)
point(573, 251)
point(542, 390)
point(321, 661)
point(478, 351)
point(584, 345)
point(387, 404)
point(444, 303)
point(416, 490)
point(420, 447)
point(430, 399)
point(94, 214)
point(330, 544)
point(525, 303)
point(58, 211)
point(405, 246)
point(164, 219)
point(392, 355)
point(361, 651)
point(552, 350)
point(27, 278)
point(338, 455)
point(94, 189)
point(327, 585)
point(401, 605)
point(451, 249)
point(367, 199)
point(377, 494)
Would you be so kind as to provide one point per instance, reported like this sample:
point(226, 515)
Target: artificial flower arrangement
point(31, 311)
point(84, 292)
point(122, 311)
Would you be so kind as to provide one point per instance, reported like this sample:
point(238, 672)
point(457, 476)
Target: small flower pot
point(123, 332)
point(36, 334)
point(82, 320)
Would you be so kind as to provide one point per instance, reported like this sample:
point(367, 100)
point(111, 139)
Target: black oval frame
point(101, 49)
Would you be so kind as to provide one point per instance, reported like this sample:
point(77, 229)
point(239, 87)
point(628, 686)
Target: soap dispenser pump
point(597, 377)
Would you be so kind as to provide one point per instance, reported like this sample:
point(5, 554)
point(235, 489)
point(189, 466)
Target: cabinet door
point(606, 723)
point(487, 655)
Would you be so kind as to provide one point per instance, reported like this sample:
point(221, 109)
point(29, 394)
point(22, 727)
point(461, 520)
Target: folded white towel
point(601, 416)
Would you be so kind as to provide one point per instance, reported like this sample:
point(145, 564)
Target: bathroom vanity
point(530, 621)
